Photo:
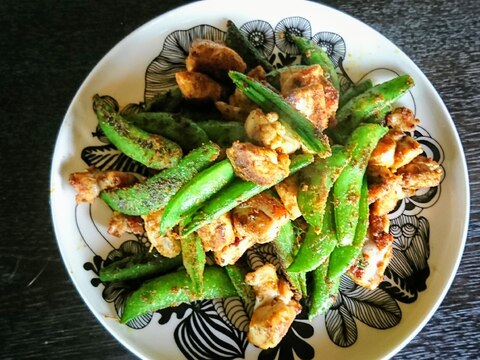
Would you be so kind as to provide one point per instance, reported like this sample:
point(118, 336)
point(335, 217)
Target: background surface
point(48, 47)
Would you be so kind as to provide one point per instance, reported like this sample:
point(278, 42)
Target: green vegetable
point(361, 107)
point(155, 192)
point(344, 256)
point(316, 248)
point(316, 181)
point(353, 91)
point(346, 189)
point(167, 101)
point(286, 246)
point(136, 267)
point(313, 53)
point(223, 133)
point(293, 121)
point(237, 41)
point(204, 185)
point(194, 260)
point(237, 274)
point(235, 193)
point(151, 150)
point(179, 129)
point(173, 289)
point(324, 291)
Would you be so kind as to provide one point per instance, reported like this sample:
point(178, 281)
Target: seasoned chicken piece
point(89, 183)
point(267, 131)
point(388, 201)
point(384, 152)
point(376, 253)
point(310, 93)
point(214, 59)
point(421, 172)
point(257, 220)
point(198, 86)
point(258, 164)
point(381, 181)
point(288, 191)
point(217, 234)
point(239, 105)
point(275, 309)
point(168, 244)
point(120, 224)
point(402, 119)
point(406, 150)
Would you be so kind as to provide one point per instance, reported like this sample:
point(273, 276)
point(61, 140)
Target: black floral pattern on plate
point(217, 329)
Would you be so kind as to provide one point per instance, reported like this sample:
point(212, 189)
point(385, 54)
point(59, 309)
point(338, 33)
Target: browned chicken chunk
point(402, 119)
point(198, 86)
point(260, 165)
point(217, 234)
point(214, 59)
point(120, 224)
point(168, 244)
point(89, 183)
point(275, 309)
point(421, 172)
point(288, 192)
point(369, 268)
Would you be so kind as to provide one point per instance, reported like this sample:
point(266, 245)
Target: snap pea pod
point(237, 274)
point(354, 90)
point(286, 246)
point(316, 181)
point(359, 108)
point(194, 261)
point(155, 192)
point(223, 133)
point(136, 267)
point(324, 291)
point(316, 247)
point(177, 128)
point(234, 194)
point(237, 41)
point(313, 53)
point(293, 121)
point(378, 117)
point(173, 289)
point(151, 150)
point(167, 101)
point(342, 257)
point(347, 188)
point(202, 186)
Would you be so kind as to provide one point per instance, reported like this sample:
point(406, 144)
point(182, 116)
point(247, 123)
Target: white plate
point(430, 229)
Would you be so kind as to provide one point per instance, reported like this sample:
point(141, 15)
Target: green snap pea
point(324, 291)
point(137, 267)
point(167, 101)
point(190, 196)
point(293, 121)
point(361, 107)
point(286, 246)
point(237, 41)
point(151, 150)
point(194, 260)
point(173, 289)
point(354, 90)
point(156, 191)
point(177, 128)
point(235, 193)
point(223, 133)
point(316, 247)
point(342, 257)
point(313, 53)
point(316, 181)
point(237, 274)
point(347, 188)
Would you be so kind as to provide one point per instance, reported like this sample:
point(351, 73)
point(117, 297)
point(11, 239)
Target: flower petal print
point(203, 334)
point(333, 44)
point(260, 34)
point(408, 270)
point(160, 74)
point(287, 27)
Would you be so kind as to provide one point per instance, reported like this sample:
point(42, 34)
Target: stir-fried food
point(290, 150)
